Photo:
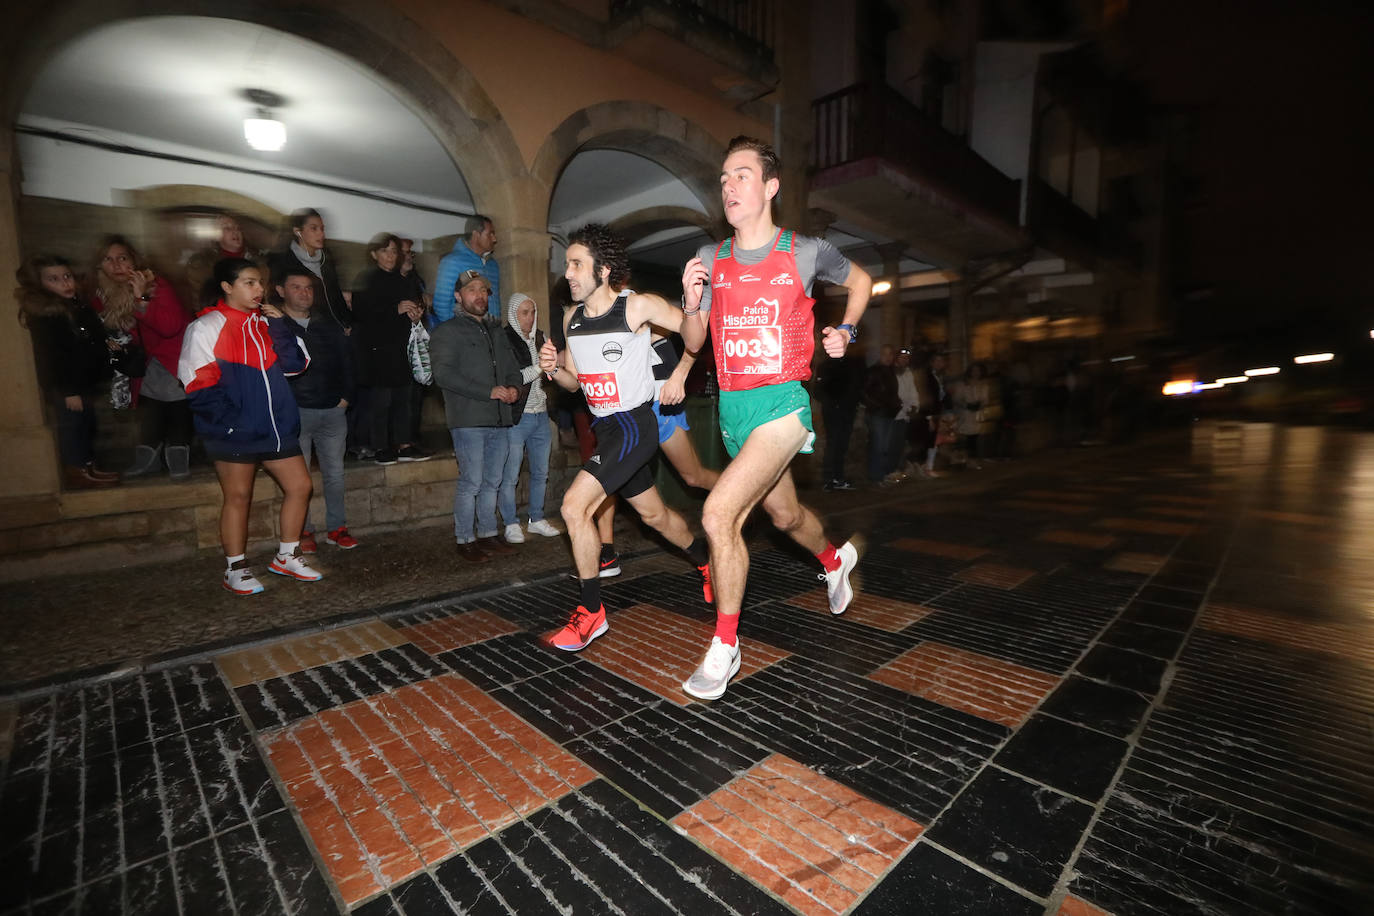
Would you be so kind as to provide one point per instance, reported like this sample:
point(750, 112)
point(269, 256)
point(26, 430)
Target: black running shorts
point(625, 443)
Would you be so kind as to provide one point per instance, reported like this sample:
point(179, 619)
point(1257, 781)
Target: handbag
point(946, 432)
point(130, 359)
point(417, 351)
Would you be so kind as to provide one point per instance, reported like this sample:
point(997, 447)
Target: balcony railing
point(867, 121)
point(748, 24)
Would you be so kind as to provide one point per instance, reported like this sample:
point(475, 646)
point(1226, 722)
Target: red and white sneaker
point(295, 567)
point(340, 538)
point(707, 593)
point(308, 544)
point(837, 580)
point(582, 627)
point(240, 580)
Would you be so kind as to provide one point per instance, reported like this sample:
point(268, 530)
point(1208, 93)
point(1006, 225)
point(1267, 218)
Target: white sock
point(234, 559)
point(287, 548)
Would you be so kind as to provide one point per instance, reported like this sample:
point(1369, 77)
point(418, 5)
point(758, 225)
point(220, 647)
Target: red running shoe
point(308, 544)
point(582, 627)
point(341, 539)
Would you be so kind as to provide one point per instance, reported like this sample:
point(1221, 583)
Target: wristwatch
point(853, 331)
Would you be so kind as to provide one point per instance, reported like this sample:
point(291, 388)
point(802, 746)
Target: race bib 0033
point(752, 350)
point(600, 389)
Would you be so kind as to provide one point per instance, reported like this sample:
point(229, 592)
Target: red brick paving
point(811, 841)
point(1145, 526)
point(437, 636)
point(940, 548)
point(995, 575)
point(884, 613)
point(985, 687)
point(1078, 539)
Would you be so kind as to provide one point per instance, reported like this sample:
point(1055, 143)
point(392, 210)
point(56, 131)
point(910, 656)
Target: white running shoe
point(295, 567)
point(543, 527)
point(837, 582)
point(240, 580)
point(720, 664)
point(513, 534)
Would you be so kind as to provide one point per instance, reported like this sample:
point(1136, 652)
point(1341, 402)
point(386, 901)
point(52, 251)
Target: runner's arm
point(675, 386)
point(860, 287)
point(696, 285)
point(565, 375)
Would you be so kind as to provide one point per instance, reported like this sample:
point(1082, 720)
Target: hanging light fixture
point(264, 132)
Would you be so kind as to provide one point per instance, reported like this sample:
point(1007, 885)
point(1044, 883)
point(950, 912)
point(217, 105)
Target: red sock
point(726, 626)
point(829, 558)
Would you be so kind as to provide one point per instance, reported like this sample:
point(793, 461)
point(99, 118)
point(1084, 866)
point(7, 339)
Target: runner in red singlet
point(753, 294)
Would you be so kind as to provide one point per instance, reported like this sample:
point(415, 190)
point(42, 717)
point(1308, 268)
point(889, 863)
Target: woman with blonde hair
point(134, 301)
point(73, 357)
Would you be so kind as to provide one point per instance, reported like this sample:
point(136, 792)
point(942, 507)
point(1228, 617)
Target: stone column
point(891, 300)
point(523, 246)
point(793, 54)
point(30, 449)
point(960, 302)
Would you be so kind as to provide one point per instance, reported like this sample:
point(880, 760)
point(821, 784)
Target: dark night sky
point(1283, 223)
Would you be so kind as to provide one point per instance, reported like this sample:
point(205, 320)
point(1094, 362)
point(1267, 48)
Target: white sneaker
point(720, 664)
point(837, 582)
point(295, 567)
point(543, 527)
point(240, 580)
point(513, 534)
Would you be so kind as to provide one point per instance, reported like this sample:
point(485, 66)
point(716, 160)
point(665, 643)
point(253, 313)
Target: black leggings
point(389, 416)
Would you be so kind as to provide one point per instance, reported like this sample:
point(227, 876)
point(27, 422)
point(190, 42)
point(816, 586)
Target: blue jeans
point(530, 434)
point(326, 430)
point(481, 453)
point(879, 444)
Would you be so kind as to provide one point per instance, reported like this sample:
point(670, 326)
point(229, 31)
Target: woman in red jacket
point(132, 300)
point(234, 366)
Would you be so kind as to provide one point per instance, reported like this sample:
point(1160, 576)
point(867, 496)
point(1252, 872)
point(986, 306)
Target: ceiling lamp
point(1314, 358)
point(881, 287)
point(264, 132)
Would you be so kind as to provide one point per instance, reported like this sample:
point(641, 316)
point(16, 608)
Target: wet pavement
point(1135, 681)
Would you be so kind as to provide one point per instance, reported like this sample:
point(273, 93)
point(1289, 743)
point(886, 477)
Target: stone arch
point(643, 223)
point(682, 147)
point(415, 66)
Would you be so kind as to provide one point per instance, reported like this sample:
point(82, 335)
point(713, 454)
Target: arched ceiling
point(177, 80)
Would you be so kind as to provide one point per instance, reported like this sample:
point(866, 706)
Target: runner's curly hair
point(608, 250)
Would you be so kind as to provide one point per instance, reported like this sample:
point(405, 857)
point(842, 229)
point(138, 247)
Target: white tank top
point(614, 364)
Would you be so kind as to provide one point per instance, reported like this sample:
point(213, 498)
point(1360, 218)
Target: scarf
point(313, 263)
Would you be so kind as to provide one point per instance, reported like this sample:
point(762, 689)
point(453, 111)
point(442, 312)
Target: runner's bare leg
point(580, 503)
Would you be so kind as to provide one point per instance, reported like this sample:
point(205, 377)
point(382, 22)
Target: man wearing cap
point(472, 251)
point(476, 368)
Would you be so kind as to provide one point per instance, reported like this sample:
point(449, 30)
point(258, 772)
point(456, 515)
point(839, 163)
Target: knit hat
point(512, 304)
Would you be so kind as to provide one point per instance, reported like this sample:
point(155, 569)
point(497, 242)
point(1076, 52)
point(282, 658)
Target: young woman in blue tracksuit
point(234, 363)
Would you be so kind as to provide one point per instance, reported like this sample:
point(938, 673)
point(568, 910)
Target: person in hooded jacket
point(73, 357)
point(530, 434)
point(234, 364)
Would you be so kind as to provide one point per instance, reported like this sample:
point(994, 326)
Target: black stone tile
point(666, 757)
point(572, 700)
point(99, 730)
point(201, 879)
point(1158, 615)
point(62, 801)
point(150, 889)
point(142, 817)
point(100, 846)
point(162, 704)
point(1153, 641)
point(930, 881)
point(186, 808)
point(307, 690)
point(380, 906)
point(102, 898)
point(463, 884)
point(835, 641)
point(505, 660)
point(16, 874)
point(675, 868)
point(1123, 668)
point(201, 695)
point(286, 702)
point(1020, 831)
point(256, 705)
point(1171, 597)
point(232, 775)
point(901, 750)
point(1101, 706)
point(502, 870)
point(33, 732)
point(67, 739)
point(246, 867)
point(65, 905)
point(21, 805)
point(420, 896)
point(56, 871)
point(303, 888)
point(568, 891)
point(130, 713)
point(1067, 757)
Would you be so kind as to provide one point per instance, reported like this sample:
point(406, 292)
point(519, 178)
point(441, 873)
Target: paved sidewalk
point(1138, 683)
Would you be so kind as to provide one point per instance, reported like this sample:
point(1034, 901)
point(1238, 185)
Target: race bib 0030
point(752, 350)
point(600, 389)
